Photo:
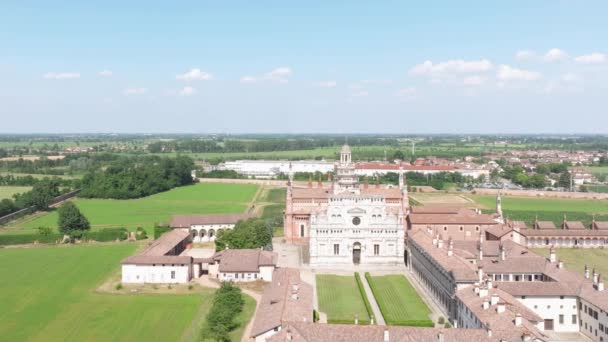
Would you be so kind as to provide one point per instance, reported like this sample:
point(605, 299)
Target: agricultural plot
point(547, 209)
point(204, 198)
point(399, 302)
point(9, 191)
point(276, 195)
point(339, 297)
point(441, 198)
point(576, 258)
point(47, 294)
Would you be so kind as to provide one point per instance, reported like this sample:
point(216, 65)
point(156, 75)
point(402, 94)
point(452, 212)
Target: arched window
point(301, 230)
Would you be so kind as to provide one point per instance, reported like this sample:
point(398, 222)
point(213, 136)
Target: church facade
point(348, 223)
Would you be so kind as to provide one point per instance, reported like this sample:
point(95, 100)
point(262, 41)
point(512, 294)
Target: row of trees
point(228, 302)
point(41, 195)
point(137, 177)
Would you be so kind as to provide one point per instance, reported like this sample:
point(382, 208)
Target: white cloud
point(593, 58)
point(195, 75)
point(326, 84)
point(525, 55)
point(507, 73)
point(406, 93)
point(452, 67)
point(135, 91)
point(555, 55)
point(570, 77)
point(106, 73)
point(61, 75)
point(278, 75)
point(473, 80)
point(361, 93)
point(187, 91)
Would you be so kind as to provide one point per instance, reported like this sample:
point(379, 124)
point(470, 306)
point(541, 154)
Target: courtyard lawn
point(48, 294)
point(576, 258)
point(9, 191)
point(204, 198)
point(399, 302)
point(340, 299)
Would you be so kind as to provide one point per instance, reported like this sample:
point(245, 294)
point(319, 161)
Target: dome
point(345, 149)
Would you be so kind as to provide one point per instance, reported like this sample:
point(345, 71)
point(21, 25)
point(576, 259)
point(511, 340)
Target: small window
point(461, 228)
point(376, 250)
point(336, 249)
point(172, 274)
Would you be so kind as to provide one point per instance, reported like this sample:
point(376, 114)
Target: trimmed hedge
point(21, 239)
point(107, 234)
point(368, 306)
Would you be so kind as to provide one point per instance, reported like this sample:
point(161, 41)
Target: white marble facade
point(356, 229)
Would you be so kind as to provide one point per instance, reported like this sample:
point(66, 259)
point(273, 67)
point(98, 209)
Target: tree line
point(41, 195)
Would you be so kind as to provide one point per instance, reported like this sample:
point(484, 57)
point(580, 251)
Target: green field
point(9, 191)
point(576, 258)
point(276, 195)
point(203, 198)
point(48, 294)
point(597, 188)
point(399, 302)
point(37, 175)
point(547, 209)
point(340, 299)
point(598, 171)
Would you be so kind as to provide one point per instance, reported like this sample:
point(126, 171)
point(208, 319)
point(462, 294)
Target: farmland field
point(398, 300)
point(47, 294)
point(597, 188)
point(204, 198)
point(9, 191)
point(576, 258)
point(37, 175)
point(276, 195)
point(340, 299)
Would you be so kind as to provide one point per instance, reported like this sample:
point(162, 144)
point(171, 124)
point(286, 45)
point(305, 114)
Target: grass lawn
point(9, 191)
point(398, 300)
point(55, 299)
point(597, 171)
point(276, 195)
point(340, 299)
point(597, 188)
point(203, 198)
point(576, 258)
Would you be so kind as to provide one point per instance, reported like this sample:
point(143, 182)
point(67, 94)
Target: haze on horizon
point(309, 67)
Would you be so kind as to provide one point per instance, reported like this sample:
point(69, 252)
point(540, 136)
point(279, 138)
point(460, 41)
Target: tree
point(252, 233)
point(71, 219)
point(564, 180)
point(44, 192)
point(398, 155)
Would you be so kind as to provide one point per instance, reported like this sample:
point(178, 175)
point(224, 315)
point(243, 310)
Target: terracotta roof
point(245, 260)
point(157, 259)
point(499, 230)
point(316, 332)
point(451, 219)
point(600, 225)
point(536, 288)
point(185, 221)
point(573, 225)
point(286, 299)
point(544, 225)
point(502, 324)
point(310, 193)
point(157, 252)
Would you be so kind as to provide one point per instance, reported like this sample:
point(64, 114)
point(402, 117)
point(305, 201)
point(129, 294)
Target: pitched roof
point(600, 225)
point(286, 299)
point(245, 260)
point(314, 332)
point(564, 232)
point(157, 252)
point(573, 225)
point(185, 221)
point(435, 209)
point(544, 225)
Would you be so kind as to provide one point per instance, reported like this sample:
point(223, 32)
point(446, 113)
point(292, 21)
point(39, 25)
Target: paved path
point(372, 301)
point(205, 282)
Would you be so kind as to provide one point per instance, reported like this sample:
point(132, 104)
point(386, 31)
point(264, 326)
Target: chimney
point(594, 275)
point(501, 307)
point(503, 252)
point(526, 337)
point(440, 241)
point(387, 336)
point(480, 250)
point(483, 292)
point(440, 337)
point(600, 283)
point(435, 240)
point(356, 319)
point(552, 255)
point(489, 283)
point(476, 289)
point(560, 264)
point(289, 337)
point(450, 247)
point(494, 299)
point(517, 319)
point(480, 274)
point(488, 329)
point(586, 271)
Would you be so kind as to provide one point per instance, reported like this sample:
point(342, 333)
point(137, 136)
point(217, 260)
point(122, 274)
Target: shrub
point(44, 231)
point(315, 316)
point(190, 287)
point(441, 320)
point(107, 234)
point(227, 303)
point(413, 323)
point(368, 306)
point(160, 230)
point(118, 286)
point(140, 234)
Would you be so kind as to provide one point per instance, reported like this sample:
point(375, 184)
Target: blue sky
point(313, 66)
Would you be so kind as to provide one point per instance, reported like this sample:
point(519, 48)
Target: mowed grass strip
point(47, 294)
point(575, 259)
point(543, 204)
point(9, 191)
point(340, 299)
point(203, 198)
point(399, 302)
